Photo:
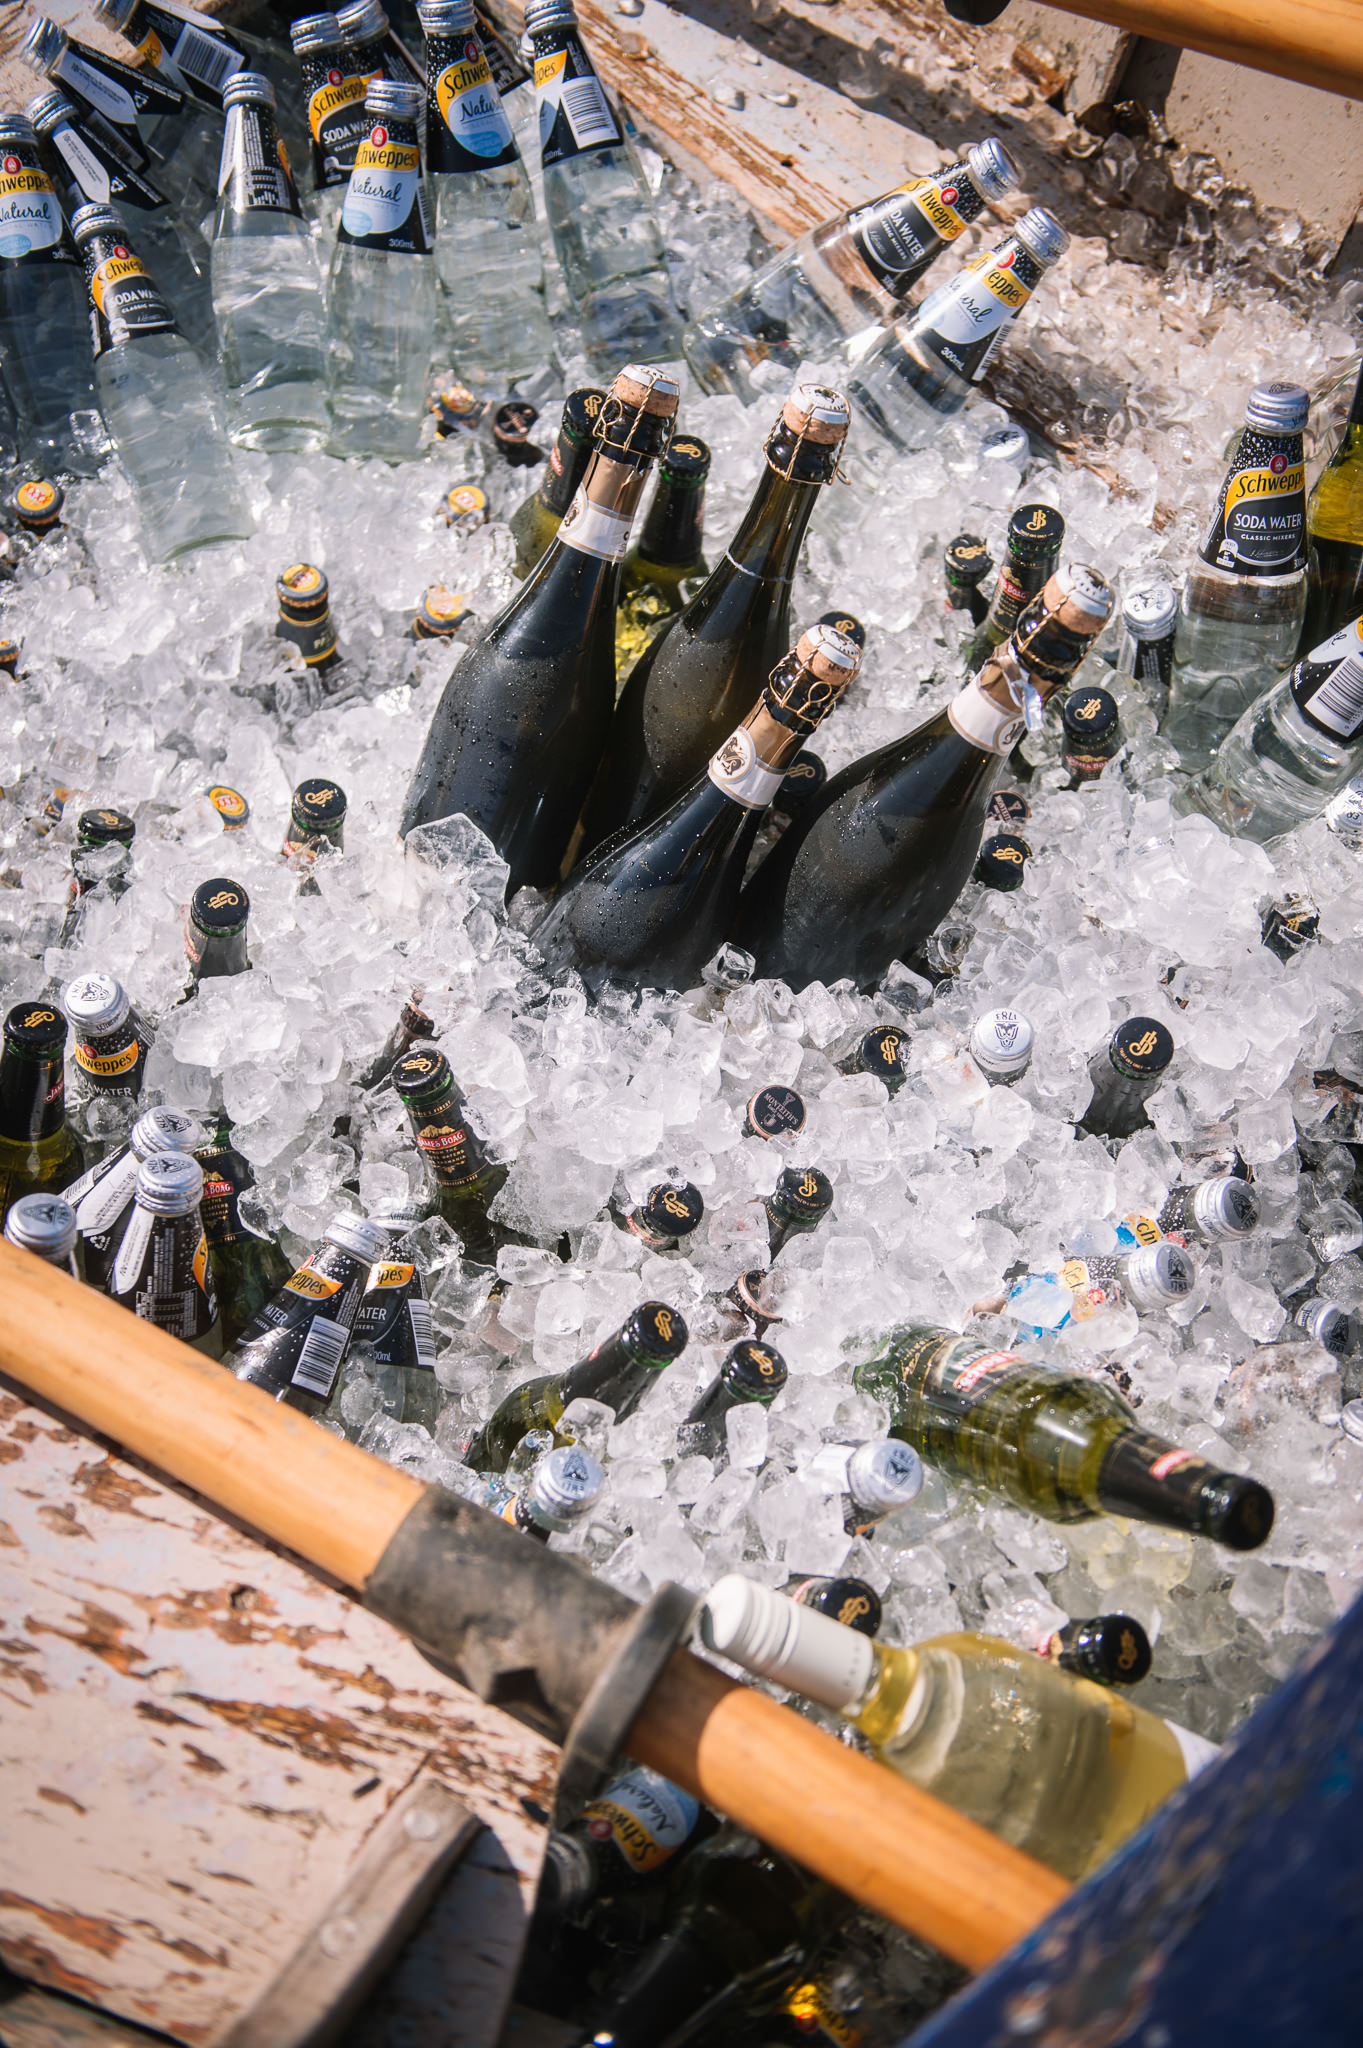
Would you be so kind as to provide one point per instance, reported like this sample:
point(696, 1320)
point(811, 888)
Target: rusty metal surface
point(196, 1740)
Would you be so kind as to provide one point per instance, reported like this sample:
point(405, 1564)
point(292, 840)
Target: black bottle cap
point(421, 1071)
point(35, 1029)
point(1003, 859)
point(672, 1209)
point(37, 504)
point(512, 424)
point(303, 592)
point(805, 1191)
point(775, 1112)
point(1112, 1649)
point(220, 907)
point(967, 560)
point(1141, 1047)
point(881, 1052)
point(1089, 715)
point(805, 777)
point(318, 805)
point(845, 622)
point(657, 1331)
point(9, 657)
point(1288, 927)
point(753, 1372)
point(105, 827)
point(850, 1601)
point(686, 462)
point(1237, 1512)
point(1008, 807)
point(1036, 533)
point(580, 409)
point(456, 410)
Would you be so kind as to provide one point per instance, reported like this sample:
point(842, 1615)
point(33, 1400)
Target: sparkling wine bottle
point(39, 1153)
point(1036, 534)
point(666, 565)
point(1125, 1073)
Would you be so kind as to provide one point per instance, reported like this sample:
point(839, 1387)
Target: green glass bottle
point(966, 561)
point(39, 1153)
point(305, 622)
point(466, 1180)
point(101, 857)
point(536, 519)
point(751, 1373)
point(616, 1373)
point(1036, 534)
point(1057, 1444)
point(215, 931)
point(1334, 532)
point(247, 1269)
point(667, 563)
point(799, 1202)
point(666, 1217)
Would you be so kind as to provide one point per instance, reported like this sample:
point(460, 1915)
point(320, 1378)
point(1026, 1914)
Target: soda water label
point(115, 90)
point(161, 1273)
point(575, 115)
point(256, 177)
point(385, 201)
point(1327, 688)
point(898, 236)
point(472, 133)
point(300, 1336)
point(99, 169)
point(1260, 523)
point(188, 48)
point(30, 218)
point(395, 1316)
point(336, 116)
point(962, 323)
point(646, 1816)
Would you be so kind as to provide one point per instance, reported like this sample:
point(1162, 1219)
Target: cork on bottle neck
point(647, 390)
point(817, 413)
point(806, 684)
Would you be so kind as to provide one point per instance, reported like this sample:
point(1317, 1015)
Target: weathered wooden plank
point(197, 1739)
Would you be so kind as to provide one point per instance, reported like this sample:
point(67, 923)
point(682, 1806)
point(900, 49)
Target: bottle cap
point(804, 1191)
point(1344, 814)
point(366, 1240)
point(512, 425)
point(807, 683)
point(991, 167)
point(1008, 443)
point(37, 504)
point(89, 221)
point(849, 1601)
point(885, 1476)
point(1112, 1649)
point(303, 592)
point(804, 778)
point(244, 86)
point(440, 613)
point(394, 99)
point(170, 1184)
point(315, 32)
point(1278, 408)
point(9, 656)
point(464, 506)
point(35, 1029)
point(1008, 807)
point(1083, 592)
point(422, 1071)
point(116, 12)
point(165, 1130)
point(220, 907)
point(753, 1372)
point(456, 410)
point(1326, 1321)
point(363, 21)
point(1141, 1047)
point(47, 110)
point(1287, 927)
point(96, 1004)
point(686, 462)
point(43, 44)
point(772, 1637)
point(1151, 614)
point(1001, 1041)
point(1003, 860)
point(1226, 1206)
point(1351, 1420)
point(1036, 533)
point(44, 1224)
point(567, 1481)
point(580, 410)
point(318, 805)
point(1157, 1274)
point(1043, 234)
point(646, 389)
point(446, 17)
point(230, 805)
point(671, 1209)
point(775, 1112)
point(817, 413)
point(846, 623)
point(967, 560)
point(548, 14)
point(1235, 1511)
point(1088, 715)
point(656, 1331)
point(880, 1051)
point(105, 827)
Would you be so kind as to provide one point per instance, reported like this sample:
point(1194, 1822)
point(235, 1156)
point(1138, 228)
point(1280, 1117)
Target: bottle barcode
point(589, 115)
point(205, 58)
point(420, 1313)
point(1338, 701)
point(320, 1356)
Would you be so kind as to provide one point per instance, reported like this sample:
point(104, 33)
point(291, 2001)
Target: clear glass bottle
point(1214, 1211)
point(103, 1196)
point(161, 1270)
point(267, 291)
point(599, 207)
point(294, 1346)
point(487, 245)
point(1244, 597)
point(1145, 651)
point(335, 78)
point(381, 295)
point(1152, 1276)
point(849, 274)
point(44, 323)
point(112, 1042)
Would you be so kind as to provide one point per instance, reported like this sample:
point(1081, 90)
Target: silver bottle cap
point(170, 1184)
point(1151, 614)
point(165, 1130)
point(315, 32)
point(446, 17)
point(115, 12)
point(1344, 814)
point(43, 44)
point(1085, 589)
point(656, 383)
point(885, 1476)
point(248, 86)
point(548, 14)
point(95, 1003)
point(363, 22)
point(525, 48)
point(1008, 443)
point(773, 1637)
point(18, 129)
point(992, 168)
point(1278, 408)
point(88, 221)
point(1157, 1274)
point(367, 1240)
point(1351, 1419)
point(1001, 1041)
point(396, 98)
point(1043, 234)
point(44, 1224)
point(47, 110)
point(1326, 1321)
point(1226, 1206)
point(567, 1482)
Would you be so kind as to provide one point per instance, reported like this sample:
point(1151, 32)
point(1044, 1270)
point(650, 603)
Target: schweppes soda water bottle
point(112, 1042)
point(336, 77)
point(487, 246)
point(1245, 596)
point(851, 273)
point(44, 331)
point(161, 1270)
point(294, 1346)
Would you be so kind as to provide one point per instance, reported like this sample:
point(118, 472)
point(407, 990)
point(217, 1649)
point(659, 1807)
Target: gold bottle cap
point(647, 389)
point(302, 587)
point(464, 506)
point(38, 503)
point(230, 805)
point(440, 613)
point(817, 413)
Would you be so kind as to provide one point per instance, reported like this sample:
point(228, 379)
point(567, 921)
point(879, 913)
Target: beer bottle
point(102, 855)
point(233, 810)
point(881, 1479)
point(316, 826)
point(1289, 925)
point(668, 1214)
point(536, 519)
point(412, 1027)
point(750, 1373)
point(44, 331)
point(37, 504)
point(304, 597)
point(1145, 651)
point(294, 1345)
point(1125, 1074)
point(666, 563)
point(520, 729)
point(1213, 1211)
point(39, 1153)
point(1063, 1769)
point(441, 614)
point(247, 1269)
point(111, 1041)
point(616, 1373)
point(698, 678)
point(1000, 1044)
point(1110, 1649)
point(1057, 1444)
point(879, 1051)
point(774, 1112)
point(1326, 1322)
point(849, 1601)
point(565, 1485)
point(103, 1197)
point(965, 564)
point(1036, 534)
point(799, 1202)
point(1002, 862)
point(466, 1180)
point(1334, 533)
point(215, 931)
point(1092, 733)
point(46, 1226)
point(160, 1270)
